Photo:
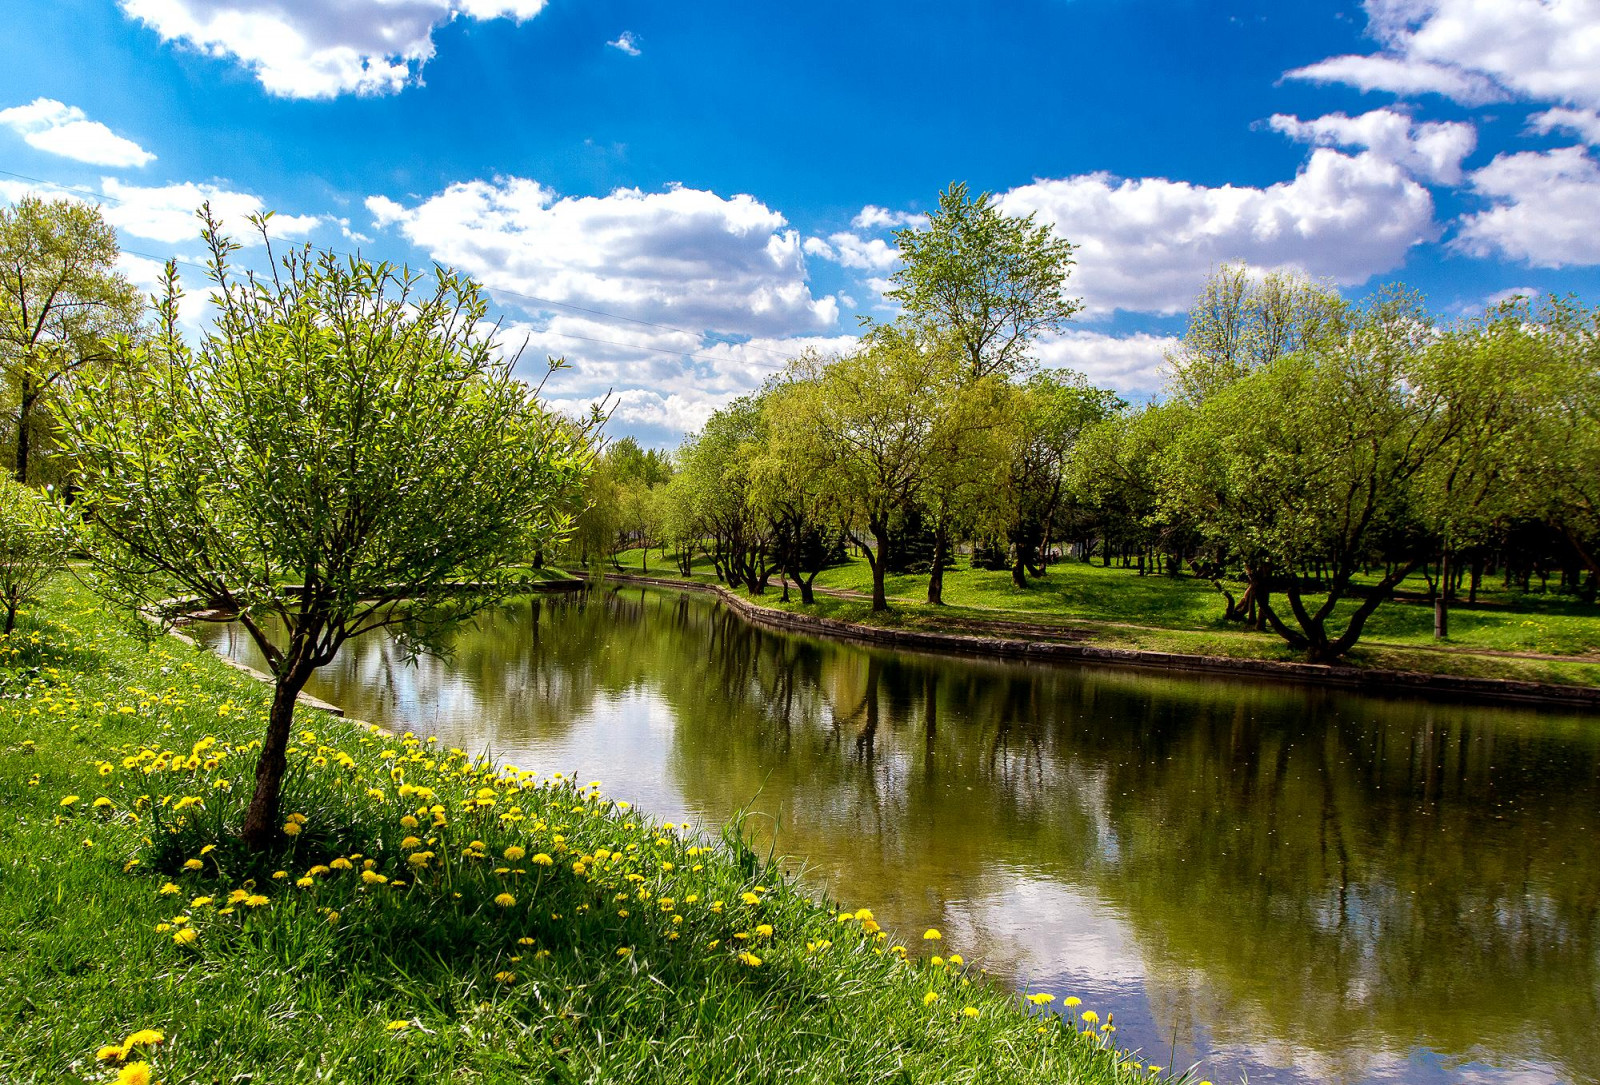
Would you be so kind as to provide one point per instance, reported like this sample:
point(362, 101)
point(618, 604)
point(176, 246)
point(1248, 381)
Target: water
point(1291, 883)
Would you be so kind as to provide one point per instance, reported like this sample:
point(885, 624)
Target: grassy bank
point(432, 917)
point(1536, 638)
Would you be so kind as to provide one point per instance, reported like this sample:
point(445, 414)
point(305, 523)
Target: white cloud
point(166, 213)
point(850, 250)
point(1500, 296)
point(1546, 213)
point(1127, 363)
point(627, 43)
point(57, 128)
point(1476, 52)
point(879, 218)
point(664, 383)
point(1147, 244)
point(1580, 122)
point(315, 49)
point(1431, 151)
point(682, 256)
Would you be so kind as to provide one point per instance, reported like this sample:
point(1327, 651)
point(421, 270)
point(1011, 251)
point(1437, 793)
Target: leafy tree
point(1310, 463)
point(1241, 322)
point(719, 465)
point(62, 303)
point(343, 451)
point(868, 425)
point(992, 281)
point(33, 545)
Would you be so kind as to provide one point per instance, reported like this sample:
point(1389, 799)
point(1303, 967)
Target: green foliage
point(991, 281)
point(33, 545)
point(62, 303)
point(342, 451)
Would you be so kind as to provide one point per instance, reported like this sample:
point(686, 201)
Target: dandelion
point(931, 935)
point(1090, 1017)
point(397, 1026)
point(305, 882)
point(101, 803)
point(291, 828)
point(624, 951)
point(505, 900)
point(524, 941)
point(200, 902)
point(110, 1053)
point(144, 1037)
point(134, 1073)
point(541, 859)
point(514, 853)
point(749, 959)
point(168, 889)
point(930, 998)
point(188, 936)
point(749, 898)
point(969, 1011)
point(69, 800)
point(764, 930)
point(254, 900)
point(342, 863)
point(1072, 1001)
point(505, 977)
point(408, 822)
point(410, 842)
point(192, 864)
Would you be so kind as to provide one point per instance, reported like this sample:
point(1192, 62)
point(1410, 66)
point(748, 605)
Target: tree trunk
point(261, 820)
point(880, 598)
point(30, 396)
point(1441, 602)
point(941, 545)
point(1019, 570)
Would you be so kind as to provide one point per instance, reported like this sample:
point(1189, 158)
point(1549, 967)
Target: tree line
point(1309, 455)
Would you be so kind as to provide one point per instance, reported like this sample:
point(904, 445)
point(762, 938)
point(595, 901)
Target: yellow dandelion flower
point(764, 930)
point(749, 959)
point(168, 889)
point(930, 998)
point(110, 1053)
point(408, 822)
point(192, 864)
point(305, 882)
point(254, 900)
point(291, 828)
point(1041, 999)
point(969, 1011)
point(514, 853)
point(1090, 1017)
point(188, 936)
point(372, 877)
point(410, 842)
point(749, 898)
point(342, 863)
point(134, 1073)
point(144, 1037)
point(505, 977)
point(396, 1026)
point(931, 935)
point(69, 800)
point(505, 900)
point(1072, 1001)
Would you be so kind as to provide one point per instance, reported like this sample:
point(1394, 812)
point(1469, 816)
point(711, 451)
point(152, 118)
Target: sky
point(680, 198)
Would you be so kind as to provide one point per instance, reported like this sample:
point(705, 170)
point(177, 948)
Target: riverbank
point(432, 916)
point(961, 630)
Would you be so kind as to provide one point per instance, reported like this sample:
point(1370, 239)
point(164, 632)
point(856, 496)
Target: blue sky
point(679, 197)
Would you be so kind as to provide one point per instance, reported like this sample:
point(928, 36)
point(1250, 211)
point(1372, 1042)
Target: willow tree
point(343, 451)
point(33, 545)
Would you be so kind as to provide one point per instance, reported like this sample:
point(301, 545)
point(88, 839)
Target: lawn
point(428, 916)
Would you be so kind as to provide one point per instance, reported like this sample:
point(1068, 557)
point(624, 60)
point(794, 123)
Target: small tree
point(61, 302)
point(344, 451)
point(33, 545)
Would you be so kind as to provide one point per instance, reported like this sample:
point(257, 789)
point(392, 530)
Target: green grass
point(123, 759)
point(1117, 608)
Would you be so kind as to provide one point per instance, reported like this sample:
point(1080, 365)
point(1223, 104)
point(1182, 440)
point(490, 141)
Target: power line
point(548, 303)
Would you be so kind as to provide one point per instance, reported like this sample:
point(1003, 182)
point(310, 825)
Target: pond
point(1297, 884)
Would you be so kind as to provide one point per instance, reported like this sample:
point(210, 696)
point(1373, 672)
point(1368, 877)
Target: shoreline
point(1373, 680)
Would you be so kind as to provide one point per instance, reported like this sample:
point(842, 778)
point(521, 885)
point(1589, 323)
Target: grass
point(1510, 635)
point(434, 916)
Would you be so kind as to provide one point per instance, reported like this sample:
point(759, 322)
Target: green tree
point(62, 304)
point(992, 283)
point(344, 450)
point(33, 545)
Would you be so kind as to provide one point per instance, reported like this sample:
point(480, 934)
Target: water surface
point(1297, 884)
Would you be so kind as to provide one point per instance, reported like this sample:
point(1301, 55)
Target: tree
point(343, 451)
point(1310, 462)
point(867, 425)
point(719, 463)
point(33, 545)
point(991, 280)
point(992, 283)
point(62, 303)
point(1240, 323)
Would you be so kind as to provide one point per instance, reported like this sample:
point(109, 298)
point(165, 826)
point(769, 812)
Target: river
point(1297, 884)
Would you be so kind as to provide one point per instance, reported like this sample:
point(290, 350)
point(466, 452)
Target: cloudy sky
point(680, 197)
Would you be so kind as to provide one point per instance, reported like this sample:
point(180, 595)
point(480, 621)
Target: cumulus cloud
point(850, 250)
point(1580, 122)
point(166, 213)
point(1475, 52)
point(1430, 151)
point(682, 256)
point(315, 49)
point(880, 218)
point(663, 383)
point(626, 42)
point(1127, 363)
point(57, 128)
point(1147, 244)
point(1546, 209)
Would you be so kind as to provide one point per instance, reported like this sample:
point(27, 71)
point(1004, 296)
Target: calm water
point(1294, 884)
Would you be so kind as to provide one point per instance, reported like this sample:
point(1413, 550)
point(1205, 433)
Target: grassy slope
point(622, 967)
point(1117, 608)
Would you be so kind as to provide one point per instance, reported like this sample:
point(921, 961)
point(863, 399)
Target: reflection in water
point(1300, 884)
